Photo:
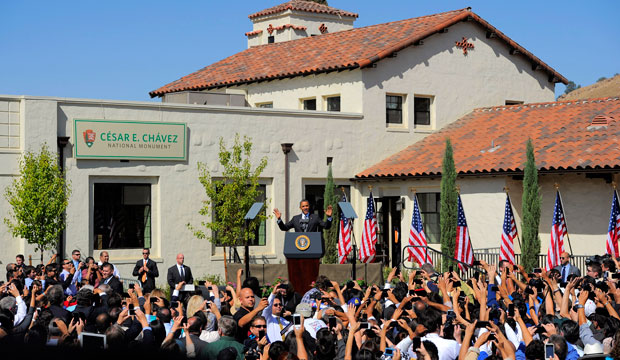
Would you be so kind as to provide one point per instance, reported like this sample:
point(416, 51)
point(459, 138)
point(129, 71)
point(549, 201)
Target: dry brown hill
point(603, 88)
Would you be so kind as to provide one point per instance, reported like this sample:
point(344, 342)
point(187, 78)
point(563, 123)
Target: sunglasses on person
point(260, 326)
point(278, 305)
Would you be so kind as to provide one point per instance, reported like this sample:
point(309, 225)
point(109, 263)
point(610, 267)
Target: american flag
point(369, 237)
point(417, 237)
point(613, 232)
point(509, 233)
point(558, 231)
point(464, 251)
point(344, 236)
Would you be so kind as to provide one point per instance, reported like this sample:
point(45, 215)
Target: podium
point(303, 252)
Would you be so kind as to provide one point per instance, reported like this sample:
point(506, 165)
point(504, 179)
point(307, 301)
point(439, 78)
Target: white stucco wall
point(312, 22)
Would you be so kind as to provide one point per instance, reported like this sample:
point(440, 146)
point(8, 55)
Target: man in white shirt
point(104, 257)
point(276, 324)
point(448, 349)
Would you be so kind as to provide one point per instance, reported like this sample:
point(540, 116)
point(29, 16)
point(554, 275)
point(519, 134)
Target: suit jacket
point(149, 284)
point(314, 224)
point(174, 277)
point(572, 270)
point(115, 284)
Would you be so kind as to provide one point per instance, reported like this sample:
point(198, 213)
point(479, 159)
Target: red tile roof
point(255, 32)
point(302, 5)
point(350, 49)
point(492, 140)
point(286, 26)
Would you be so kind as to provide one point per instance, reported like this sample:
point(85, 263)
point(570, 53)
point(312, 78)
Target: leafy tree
point(230, 196)
point(448, 210)
point(531, 212)
point(601, 79)
point(331, 235)
point(571, 86)
point(39, 198)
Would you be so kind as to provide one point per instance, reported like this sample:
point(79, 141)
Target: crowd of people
point(501, 311)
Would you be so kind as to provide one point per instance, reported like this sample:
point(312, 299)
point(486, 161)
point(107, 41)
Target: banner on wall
point(129, 140)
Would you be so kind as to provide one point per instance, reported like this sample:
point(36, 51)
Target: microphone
point(304, 224)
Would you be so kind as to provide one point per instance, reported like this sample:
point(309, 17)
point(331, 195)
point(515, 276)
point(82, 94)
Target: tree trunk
point(225, 266)
point(41, 251)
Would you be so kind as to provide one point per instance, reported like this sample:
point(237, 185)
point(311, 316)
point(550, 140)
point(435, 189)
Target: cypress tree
point(531, 212)
point(331, 235)
point(448, 210)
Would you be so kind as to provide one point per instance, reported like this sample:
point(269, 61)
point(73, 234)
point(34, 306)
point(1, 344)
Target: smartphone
point(416, 298)
point(75, 317)
point(38, 311)
point(54, 324)
point(529, 291)
point(411, 292)
point(384, 293)
point(417, 342)
point(350, 284)
point(364, 325)
point(451, 315)
point(261, 334)
point(549, 353)
point(511, 310)
point(476, 263)
point(332, 322)
point(132, 286)
point(450, 269)
point(492, 337)
point(201, 283)
point(125, 295)
point(537, 271)
point(389, 352)
point(174, 304)
point(420, 281)
point(132, 311)
point(615, 276)
point(296, 319)
point(605, 275)
point(153, 299)
point(477, 275)
point(494, 288)
point(482, 324)
point(515, 268)
point(397, 273)
point(209, 288)
point(284, 286)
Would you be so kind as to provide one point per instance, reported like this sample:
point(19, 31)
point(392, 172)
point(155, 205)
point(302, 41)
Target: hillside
point(603, 88)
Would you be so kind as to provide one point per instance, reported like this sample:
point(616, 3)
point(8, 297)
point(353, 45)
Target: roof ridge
point(552, 103)
point(290, 5)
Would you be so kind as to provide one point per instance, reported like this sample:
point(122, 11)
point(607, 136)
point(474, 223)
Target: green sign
point(129, 140)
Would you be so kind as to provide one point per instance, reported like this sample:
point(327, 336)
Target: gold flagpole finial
point(413, 190)
point(557, 186)
point(458, 189)
point(614, 185)
point(506, 189)
point(342, 189)
point(370, 187)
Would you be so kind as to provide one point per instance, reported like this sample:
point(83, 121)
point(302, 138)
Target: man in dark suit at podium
point(305, 222)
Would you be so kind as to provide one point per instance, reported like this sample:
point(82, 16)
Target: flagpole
point(557, 188)
point(506, 189)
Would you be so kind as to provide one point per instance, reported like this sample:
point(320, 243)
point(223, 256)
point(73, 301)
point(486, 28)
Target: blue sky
point(124, 49)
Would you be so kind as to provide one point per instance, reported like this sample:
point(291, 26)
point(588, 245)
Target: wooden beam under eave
point(418, 43)
point(514, 51)
point(491, 35)
point(536, 67)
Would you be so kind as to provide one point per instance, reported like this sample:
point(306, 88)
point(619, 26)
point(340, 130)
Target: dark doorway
point(389, 235)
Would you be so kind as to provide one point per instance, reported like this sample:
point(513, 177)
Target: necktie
point(564, 273)
point(182, 272)
point(144, 273)
point(281, 327)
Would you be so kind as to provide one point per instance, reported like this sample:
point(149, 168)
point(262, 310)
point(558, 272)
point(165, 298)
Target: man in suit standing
point(107, 271)
point(146, 271)
point(566, 268)
point(305, 222)
point(178, 273)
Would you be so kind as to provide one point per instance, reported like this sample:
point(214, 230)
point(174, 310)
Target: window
point(261, 232)
point(314, 194)
point(422, 107)
point(333, 103)
point(394, 109)
point(309, 104)
point(267, 105)
point(271, 39)
point(429, 207)
point(513, 102)
point(122, 216)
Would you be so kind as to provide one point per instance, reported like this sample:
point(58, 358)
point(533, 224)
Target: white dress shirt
point(274, 322)
point(448, 349)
